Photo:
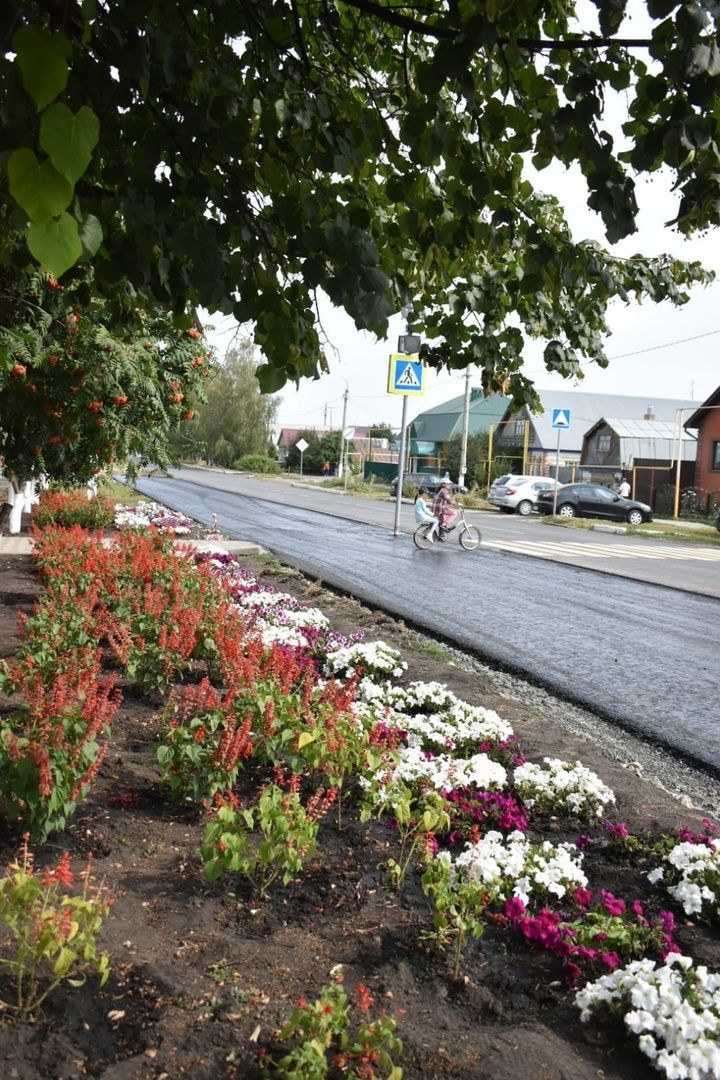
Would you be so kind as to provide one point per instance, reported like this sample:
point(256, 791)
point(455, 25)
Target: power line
point(666, 345)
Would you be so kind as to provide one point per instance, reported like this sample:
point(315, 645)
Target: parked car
point(592, 500)
point(717, 520)
point(518, 494)
point(431, 481)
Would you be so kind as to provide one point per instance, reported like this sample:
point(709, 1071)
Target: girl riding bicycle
point(423, 515)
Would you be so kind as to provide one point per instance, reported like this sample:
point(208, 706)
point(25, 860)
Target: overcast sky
point(656, 350)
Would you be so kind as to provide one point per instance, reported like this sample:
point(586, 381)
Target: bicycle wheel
point(423, 538)
point(469, 537)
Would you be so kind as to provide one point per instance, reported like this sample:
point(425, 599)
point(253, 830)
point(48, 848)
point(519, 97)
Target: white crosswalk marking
point(550, 548)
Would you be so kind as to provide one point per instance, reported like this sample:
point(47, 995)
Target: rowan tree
point(242, 156)
point(76, 391)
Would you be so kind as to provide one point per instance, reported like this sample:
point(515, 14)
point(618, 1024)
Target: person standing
point(623, 489)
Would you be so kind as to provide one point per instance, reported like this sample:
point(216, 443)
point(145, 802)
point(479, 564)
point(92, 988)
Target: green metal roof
point(439, 424)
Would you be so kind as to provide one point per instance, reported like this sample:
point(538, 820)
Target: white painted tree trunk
point(16, 514)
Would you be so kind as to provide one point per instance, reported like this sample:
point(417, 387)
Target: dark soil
point(202, 976)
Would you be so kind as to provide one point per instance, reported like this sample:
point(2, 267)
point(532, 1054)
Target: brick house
point(706, 421)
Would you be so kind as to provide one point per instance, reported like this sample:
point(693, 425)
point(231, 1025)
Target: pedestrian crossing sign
point(406, 375)
point(561, 418)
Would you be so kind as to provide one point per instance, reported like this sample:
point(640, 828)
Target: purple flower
point(617, 829)
point(582, 897)
point(514, 908)
point(612, 904)
point(611, 960)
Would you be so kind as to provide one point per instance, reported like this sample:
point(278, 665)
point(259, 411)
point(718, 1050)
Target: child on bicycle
point(423, 514)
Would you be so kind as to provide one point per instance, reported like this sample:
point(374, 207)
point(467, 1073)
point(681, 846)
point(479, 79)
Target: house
point(431, 431)
point(706, 421)
point(530, 438)
point(649, 447)
point(625, 444)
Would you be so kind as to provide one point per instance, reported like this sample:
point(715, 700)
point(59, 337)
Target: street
point(639, 653)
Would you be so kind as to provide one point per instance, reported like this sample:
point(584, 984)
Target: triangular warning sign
point(408, 377)
point(561, 418)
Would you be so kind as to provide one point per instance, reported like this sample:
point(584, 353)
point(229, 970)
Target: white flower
point(374, 658)
point(676, 1012)
point(557, 785)
point(691, 873)
point(515, 866)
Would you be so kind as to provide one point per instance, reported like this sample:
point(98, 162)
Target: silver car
point(518, 494)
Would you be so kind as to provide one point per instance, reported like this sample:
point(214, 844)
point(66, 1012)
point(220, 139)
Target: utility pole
point(342, 432)
point(465, 426)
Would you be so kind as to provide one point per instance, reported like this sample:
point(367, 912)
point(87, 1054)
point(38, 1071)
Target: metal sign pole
point(401, 468)
point(557, 472)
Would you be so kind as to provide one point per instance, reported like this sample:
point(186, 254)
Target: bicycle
point(429, 531)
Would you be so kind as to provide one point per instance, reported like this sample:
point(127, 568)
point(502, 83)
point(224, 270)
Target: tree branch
point(449, 33)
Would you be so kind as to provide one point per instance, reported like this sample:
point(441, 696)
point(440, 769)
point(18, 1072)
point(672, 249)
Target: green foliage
point(271, 840)
point(322, 447)
point(374, 152)
point(50, 933)
point(418, 817)
point(236, 418)
point(477, 454)
point(257, 463)
point(460, 906)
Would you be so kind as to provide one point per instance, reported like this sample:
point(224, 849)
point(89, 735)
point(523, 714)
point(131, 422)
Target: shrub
point(50, 748)
point(68, 508)
point(257, 463)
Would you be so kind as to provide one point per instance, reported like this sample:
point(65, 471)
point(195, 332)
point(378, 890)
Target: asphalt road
point(639, 653)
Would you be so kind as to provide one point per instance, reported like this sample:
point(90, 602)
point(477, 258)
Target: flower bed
point(294, 748)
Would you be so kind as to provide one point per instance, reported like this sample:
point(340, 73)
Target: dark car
point(431, 481)
point(592, 500)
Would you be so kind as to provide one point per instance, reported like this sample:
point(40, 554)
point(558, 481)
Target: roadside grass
point(120, 493)
point(697, 533)
point(432, 649)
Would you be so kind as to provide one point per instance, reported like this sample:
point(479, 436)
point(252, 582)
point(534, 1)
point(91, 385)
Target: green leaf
point(42, 59)
point(56, 244)
point(39, 189)
point(69, 139)
point(270, 378)
point(91, 235)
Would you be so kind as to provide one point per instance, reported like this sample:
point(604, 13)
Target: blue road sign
point(561, 418)
point(406, 375)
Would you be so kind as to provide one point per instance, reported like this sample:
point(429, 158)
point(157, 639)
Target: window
point(603, 443)
point(520, 428)
point(715, 465)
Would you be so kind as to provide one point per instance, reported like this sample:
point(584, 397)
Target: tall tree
point(235, 411)
point(243, 155)
point(476, 459)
